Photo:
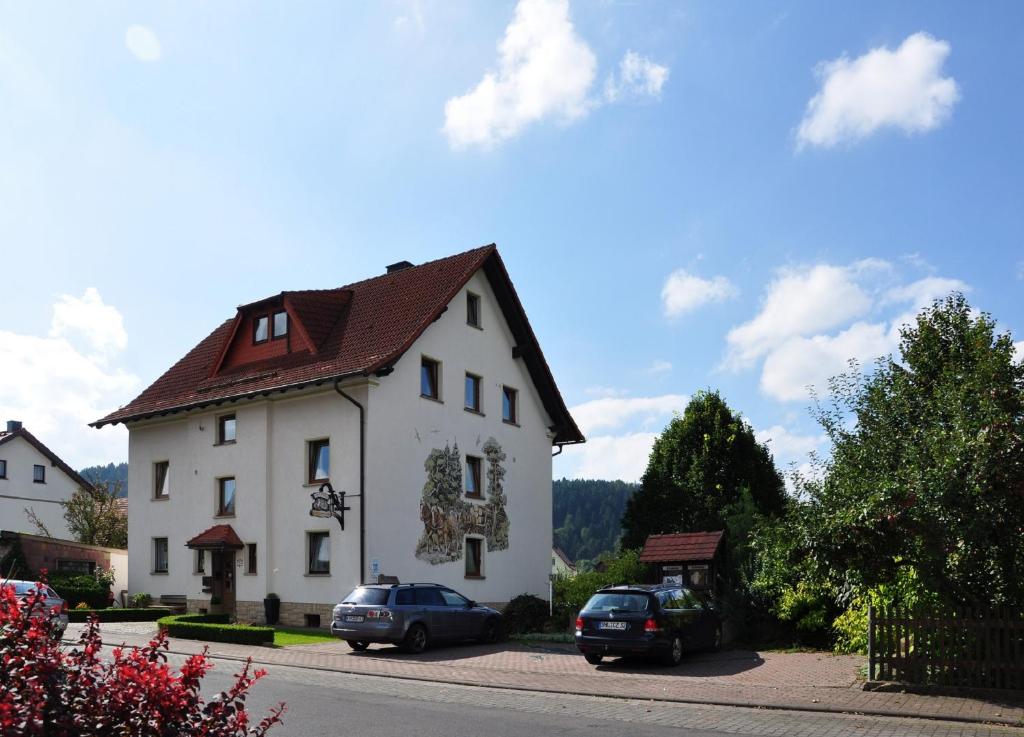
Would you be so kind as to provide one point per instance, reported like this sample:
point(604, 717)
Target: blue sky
point(687, 195)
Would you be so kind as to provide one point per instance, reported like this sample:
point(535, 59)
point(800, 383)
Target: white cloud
point(800, 363)
point(1018, 349)
point(622, 457)
point(802, 301)
point(613, 412)
point(99, 325)
point(900, 89)
point(637, 77)
point(143, 43)
point(544, 71)
point(923, 292)
point(56, 390)
point(684, 292)
point(786, 445)
point(659, 368)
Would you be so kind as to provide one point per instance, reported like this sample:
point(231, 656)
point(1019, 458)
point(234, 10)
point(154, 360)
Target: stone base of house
point(296, 614)
point(192, 606)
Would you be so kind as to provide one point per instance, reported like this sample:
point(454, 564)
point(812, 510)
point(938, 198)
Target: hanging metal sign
point(329, 503)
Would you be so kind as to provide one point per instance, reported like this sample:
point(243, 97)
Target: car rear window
point(363, 595)
point(625, 602)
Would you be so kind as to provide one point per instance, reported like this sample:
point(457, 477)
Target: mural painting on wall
point(448, 517)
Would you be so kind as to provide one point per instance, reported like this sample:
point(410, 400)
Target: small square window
point(472, 309)
point(430, 371)
point(319, 462)
point(3, 469)
point(159, 555)
point(473, 488)
point(39, 474)
point(472, 392)
point(280, 324)
point(200, 561)
point(161, 480)
point(250, 558)
point(225, 497)
point(319, 552)
point(509, 410)
point(226, 425)
point(261, 329)
point(474, 557)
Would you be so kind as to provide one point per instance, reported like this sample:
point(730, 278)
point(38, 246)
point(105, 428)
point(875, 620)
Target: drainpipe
point(362, 478)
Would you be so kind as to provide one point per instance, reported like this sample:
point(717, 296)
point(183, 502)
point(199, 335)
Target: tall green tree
point(703, 469)
point(927, 466)
point(94, 518)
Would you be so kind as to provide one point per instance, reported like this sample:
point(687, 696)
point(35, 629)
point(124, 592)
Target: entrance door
point(223, 572)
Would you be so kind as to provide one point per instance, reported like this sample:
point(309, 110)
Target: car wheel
point(490, 632)
point(716, 641)
point(593, 658)
point(358, 645)
point(416, 639)
point(674, 655)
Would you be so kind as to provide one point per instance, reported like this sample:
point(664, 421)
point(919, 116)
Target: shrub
point(214, 628)
point(140, 600)
point(117, 615)
point(571, 593)
point(80, 588)
point(77, 693)
point(83, 606)
point(525, 613)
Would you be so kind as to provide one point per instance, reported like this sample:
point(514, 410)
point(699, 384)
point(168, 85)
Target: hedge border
point(215, 628)
point(118, 615)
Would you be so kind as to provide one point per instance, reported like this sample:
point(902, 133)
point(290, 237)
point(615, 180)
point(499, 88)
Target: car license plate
point(353, 618)
point(612, 626)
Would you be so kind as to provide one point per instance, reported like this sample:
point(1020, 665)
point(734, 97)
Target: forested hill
point(587, 515)
point(110, 473)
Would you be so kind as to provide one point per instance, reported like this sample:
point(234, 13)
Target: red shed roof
point(681, 546)
point(356, 330)
point(217, 537)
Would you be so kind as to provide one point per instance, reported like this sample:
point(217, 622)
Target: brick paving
point(802, 681)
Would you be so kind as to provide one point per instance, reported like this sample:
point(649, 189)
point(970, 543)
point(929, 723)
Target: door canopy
point(218, 537)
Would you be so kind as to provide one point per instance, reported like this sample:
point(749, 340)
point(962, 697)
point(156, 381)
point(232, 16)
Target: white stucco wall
point(18, 491)
point(268, 462)
point(403, 428)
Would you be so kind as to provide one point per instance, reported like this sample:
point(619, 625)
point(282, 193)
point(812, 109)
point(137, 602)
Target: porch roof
point(218, 537)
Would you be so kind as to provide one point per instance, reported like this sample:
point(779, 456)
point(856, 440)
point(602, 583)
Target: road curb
point(745, 704)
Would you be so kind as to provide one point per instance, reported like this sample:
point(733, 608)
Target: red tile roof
point(6, 437)
point(681, 547)
point(358, 329)
point(218, 536)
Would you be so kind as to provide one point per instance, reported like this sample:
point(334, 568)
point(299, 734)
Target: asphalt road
point(330, 703)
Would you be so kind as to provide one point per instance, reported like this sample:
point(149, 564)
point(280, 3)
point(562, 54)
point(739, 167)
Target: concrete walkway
point(802, 681)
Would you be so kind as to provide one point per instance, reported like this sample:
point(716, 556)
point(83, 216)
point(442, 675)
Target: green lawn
point(297, 636)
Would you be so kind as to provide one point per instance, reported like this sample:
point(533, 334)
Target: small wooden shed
point(686, 558)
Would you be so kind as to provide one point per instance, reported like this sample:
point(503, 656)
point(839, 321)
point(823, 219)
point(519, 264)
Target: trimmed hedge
point(96, 598)
point(215, 628)
point(118, 615)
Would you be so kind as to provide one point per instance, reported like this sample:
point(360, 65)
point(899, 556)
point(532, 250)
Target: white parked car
point(52, 602)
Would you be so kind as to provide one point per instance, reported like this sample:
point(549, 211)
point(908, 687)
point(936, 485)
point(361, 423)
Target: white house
point(33, 479)
point(422, 394)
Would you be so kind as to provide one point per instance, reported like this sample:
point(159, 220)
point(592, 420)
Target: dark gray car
point(413, 615)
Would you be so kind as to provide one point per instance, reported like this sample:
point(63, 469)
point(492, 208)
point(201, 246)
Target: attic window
point(280, 324)
point(261, 329)
point(472, 310)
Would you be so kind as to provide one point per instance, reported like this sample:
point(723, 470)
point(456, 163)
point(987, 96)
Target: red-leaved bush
point(46, 689)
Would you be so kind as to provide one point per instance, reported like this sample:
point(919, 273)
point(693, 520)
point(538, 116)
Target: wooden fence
point(951, 647)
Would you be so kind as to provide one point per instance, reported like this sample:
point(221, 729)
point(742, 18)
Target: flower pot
point(272, 610)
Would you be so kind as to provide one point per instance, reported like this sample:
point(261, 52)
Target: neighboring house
point(424, 390)
point(33, 477)
point(560, 563)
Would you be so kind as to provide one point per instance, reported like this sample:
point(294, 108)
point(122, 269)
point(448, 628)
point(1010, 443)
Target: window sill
point(224, 516)
point(475, 497)
point(160, 498)
point(475, 578)
point(432, 399)
point(226, 442)
point(158, 573)
point(476, 412)
point(317, 484)
point(471, 325)
point(317, 575)
point(38, 482)
point(513, 423)
point(250, 573)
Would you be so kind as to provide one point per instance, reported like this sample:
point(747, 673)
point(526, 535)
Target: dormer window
point(261, 329)
point(280, 324)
